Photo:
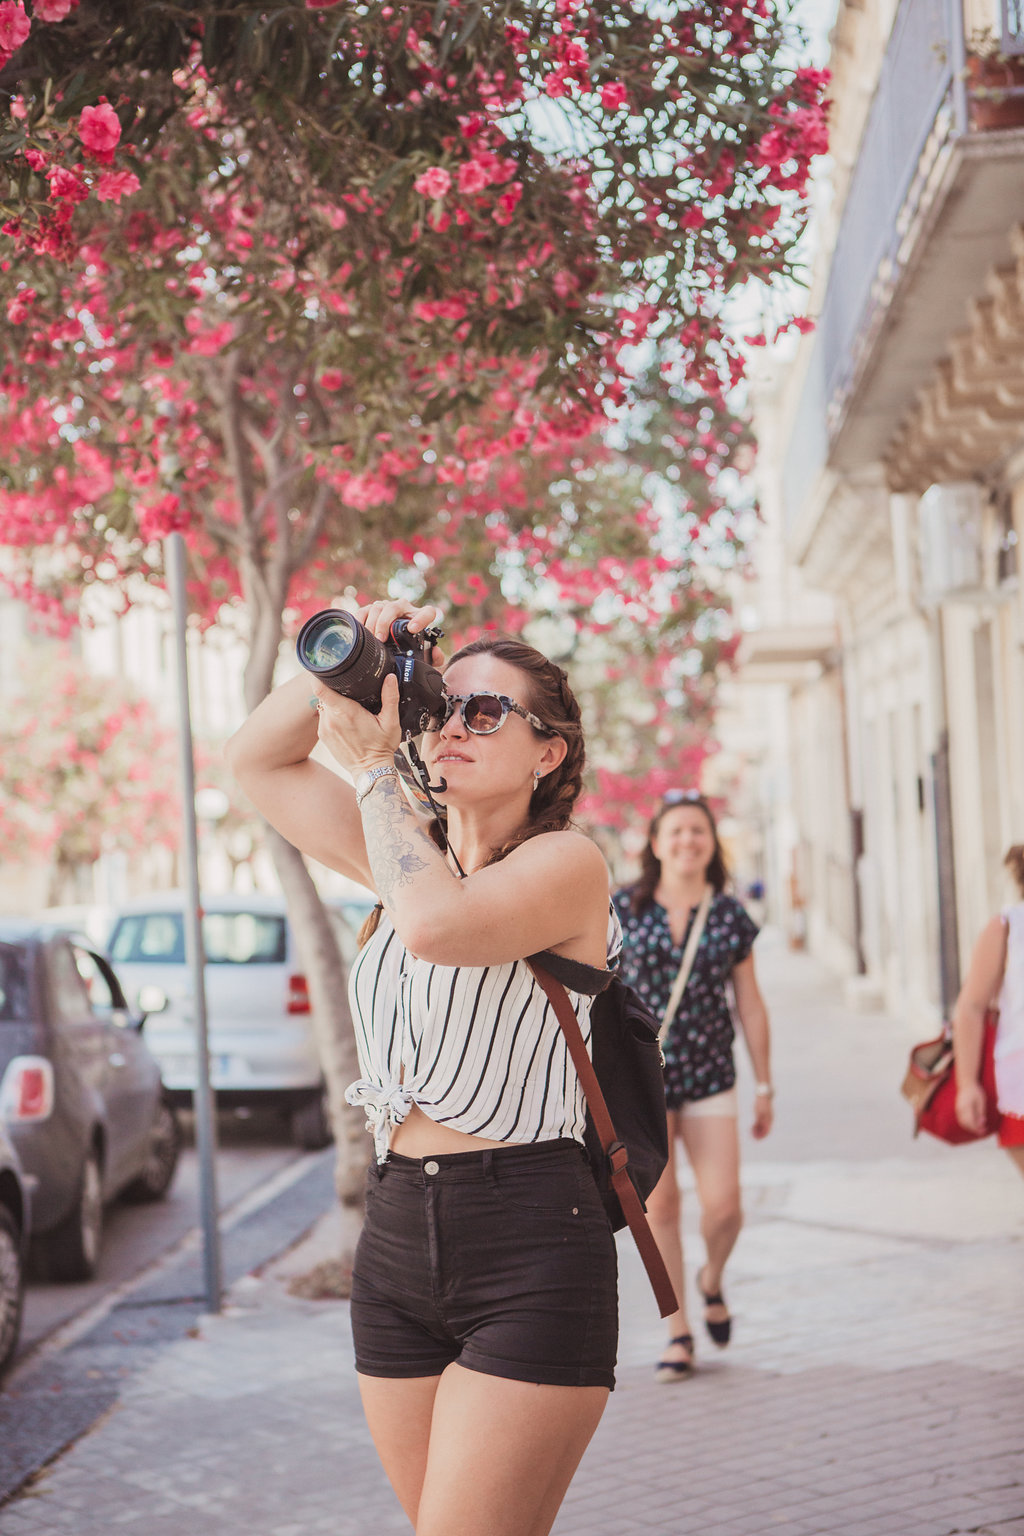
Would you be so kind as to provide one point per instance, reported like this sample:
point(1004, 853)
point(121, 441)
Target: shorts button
point(431, 1167)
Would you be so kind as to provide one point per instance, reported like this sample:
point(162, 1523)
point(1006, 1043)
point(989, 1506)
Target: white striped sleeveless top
point(477, 1048)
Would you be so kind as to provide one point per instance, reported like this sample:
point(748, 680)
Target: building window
point(1013, 26)
point(1006, 534)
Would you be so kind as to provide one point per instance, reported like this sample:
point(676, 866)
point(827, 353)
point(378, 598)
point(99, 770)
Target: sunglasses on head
point(485, 713)
point(682, 796)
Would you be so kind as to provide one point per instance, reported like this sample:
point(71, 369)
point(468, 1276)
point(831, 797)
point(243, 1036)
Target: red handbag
point(930, 1085)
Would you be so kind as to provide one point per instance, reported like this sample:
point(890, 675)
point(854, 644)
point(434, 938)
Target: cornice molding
point(970, 416)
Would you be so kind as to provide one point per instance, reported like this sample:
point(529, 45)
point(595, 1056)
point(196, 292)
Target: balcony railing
point(929, 96)
point(917, 108)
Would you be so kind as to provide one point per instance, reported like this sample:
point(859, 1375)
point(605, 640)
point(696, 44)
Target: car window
point(149, 936)
point(97, 986)
point(70, 997)
point(243, 938)
point(13, 985)
point(229, 938)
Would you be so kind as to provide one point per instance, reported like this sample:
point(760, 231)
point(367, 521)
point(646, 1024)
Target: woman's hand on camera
point(380, 616)
point(354, 737)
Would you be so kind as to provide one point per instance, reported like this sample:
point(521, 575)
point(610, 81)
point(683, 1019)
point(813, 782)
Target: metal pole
point(203, 1101)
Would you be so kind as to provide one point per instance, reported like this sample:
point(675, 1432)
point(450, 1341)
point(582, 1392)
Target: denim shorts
point(502, 1260)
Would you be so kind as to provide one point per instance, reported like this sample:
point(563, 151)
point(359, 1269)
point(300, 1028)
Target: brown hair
point(551, 699)
point(1014, 862)
point(641, 894)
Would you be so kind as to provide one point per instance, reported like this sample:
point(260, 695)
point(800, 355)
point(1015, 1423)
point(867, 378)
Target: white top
point(477, 1048)
point(1009, 1043)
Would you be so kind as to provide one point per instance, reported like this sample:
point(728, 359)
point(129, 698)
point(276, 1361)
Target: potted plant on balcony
point(995, 84)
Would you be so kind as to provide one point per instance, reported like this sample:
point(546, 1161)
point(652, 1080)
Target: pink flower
point(472, 177)
point(613, 96)
point(100, 130)
point(14, 26)
point(113, 185)
point(66, 186)
point(433, 183)
point(556, 85)
point(332, 379)
point(53, 10)
point(17, 309)
point(18, 107)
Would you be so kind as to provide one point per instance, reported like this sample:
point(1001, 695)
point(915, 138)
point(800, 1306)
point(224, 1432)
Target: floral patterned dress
point(698, 1047)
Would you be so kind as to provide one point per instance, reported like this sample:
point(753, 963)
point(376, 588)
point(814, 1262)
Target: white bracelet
point(764, 1090)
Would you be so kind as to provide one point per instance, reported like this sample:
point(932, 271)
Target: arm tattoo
point(395, 842)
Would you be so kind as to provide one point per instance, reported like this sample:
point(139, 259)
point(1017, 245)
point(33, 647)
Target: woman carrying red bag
point(997, 967)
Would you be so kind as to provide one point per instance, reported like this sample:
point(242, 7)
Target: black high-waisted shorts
point(502, 1260)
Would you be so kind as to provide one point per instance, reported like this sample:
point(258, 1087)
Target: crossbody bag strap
point(614, 1149)
point(686, 964)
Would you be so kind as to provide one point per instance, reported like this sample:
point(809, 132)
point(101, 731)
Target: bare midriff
point(419, 1136)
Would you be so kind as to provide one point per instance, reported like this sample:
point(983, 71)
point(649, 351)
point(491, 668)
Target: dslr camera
point(342, 652)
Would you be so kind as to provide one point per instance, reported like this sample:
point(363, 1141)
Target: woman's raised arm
point(308, 803)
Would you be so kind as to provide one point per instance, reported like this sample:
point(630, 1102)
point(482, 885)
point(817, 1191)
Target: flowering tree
point(360, 293)
point(89, 773)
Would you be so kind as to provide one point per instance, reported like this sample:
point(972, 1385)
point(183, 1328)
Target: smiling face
point(501, 764)
point(684, 843)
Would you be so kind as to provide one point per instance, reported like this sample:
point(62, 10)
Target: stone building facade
point(888, 651)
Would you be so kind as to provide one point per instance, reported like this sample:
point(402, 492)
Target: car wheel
point(311, 1125)
point(73, 1248)
point(161, 1158)
point(12, 1287)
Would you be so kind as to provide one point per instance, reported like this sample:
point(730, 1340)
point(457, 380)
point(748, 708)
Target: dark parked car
point(14, 1220)
point(80, 1093)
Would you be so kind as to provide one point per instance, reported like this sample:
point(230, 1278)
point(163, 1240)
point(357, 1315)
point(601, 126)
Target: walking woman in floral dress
point(681, 864)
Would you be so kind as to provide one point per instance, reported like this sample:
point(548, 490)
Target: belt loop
point(488, 1163)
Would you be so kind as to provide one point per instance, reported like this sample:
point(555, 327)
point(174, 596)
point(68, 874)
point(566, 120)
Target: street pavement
point(874, 1386)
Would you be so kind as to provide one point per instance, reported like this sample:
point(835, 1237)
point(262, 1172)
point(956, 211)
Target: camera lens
point(336, 648)
point(328, 640)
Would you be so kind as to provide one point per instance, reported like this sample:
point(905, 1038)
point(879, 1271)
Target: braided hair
point(552, 700)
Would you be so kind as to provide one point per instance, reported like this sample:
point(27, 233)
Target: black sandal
point(721, 1332)
point(676, 1370)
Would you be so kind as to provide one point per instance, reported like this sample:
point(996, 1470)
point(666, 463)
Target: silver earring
point(536, 780)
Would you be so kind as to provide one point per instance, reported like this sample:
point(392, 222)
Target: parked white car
point(259, 1024)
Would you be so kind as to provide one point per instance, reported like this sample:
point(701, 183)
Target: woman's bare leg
point(664, 1216)
point(475, 1455)
point(713, 1147)
point(502, 1454)
point(1017, 1153)
point(398, 1413)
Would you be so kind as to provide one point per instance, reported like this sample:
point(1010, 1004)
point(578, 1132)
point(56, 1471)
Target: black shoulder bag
point(626, 1135)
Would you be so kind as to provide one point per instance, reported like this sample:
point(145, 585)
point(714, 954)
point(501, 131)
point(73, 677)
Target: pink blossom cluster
point(15, 24)
point(70, 182)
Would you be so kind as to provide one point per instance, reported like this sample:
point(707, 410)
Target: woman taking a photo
point(682, 882)
point(484, 1308)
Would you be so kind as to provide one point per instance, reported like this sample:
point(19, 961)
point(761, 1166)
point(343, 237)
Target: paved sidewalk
point(875, 1385)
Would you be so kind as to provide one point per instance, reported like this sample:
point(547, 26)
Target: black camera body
point(335, 647)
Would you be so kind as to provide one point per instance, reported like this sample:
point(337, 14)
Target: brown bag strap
point(615, 1151)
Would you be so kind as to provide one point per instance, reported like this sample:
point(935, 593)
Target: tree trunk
point(332, 1021)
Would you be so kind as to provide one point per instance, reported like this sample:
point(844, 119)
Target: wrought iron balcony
point(936, 188)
